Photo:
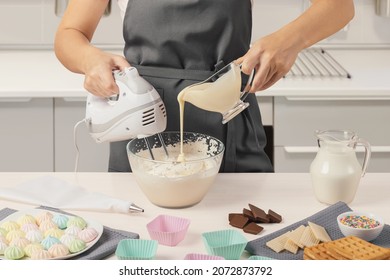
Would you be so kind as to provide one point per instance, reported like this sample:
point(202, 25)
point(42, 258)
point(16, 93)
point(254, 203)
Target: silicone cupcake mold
point(168, 230)
point(228, 243)
point(136, 249)
point(196, 256)
point(258, 258)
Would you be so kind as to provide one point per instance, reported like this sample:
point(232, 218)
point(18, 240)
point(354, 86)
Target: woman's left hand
point(270, 58)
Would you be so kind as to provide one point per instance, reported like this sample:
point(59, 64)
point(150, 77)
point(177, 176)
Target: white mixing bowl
point(167, 182)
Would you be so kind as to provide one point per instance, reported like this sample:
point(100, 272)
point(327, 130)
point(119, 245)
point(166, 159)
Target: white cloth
point(54, 192)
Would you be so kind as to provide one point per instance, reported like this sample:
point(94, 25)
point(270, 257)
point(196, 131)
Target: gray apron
point(175, 43)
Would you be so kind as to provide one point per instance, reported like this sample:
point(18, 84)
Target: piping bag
point(57, 193)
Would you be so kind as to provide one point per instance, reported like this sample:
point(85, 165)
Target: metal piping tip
point(135, 208)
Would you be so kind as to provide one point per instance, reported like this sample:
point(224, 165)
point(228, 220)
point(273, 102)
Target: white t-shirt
point(123, 4)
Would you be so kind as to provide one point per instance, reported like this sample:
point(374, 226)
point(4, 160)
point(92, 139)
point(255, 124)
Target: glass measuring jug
point(220, 93)
point(335, 171)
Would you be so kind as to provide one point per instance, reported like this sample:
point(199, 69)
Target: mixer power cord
point(75, 130)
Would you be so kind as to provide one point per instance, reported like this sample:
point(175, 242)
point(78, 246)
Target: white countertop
point(290, 195)
point(38, 73)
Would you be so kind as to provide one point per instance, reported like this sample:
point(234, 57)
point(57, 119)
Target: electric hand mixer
point(137, 111)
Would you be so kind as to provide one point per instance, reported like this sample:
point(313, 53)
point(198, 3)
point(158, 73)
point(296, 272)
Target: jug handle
point(245, 92)
point(367, 154)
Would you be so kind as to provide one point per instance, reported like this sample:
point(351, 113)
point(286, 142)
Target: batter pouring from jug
point(174, 44)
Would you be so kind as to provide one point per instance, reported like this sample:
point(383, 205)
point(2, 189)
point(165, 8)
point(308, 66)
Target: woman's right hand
point(99, 79)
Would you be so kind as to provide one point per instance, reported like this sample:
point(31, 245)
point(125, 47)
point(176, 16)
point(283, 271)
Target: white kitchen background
point(29, 25)
point(32, 23)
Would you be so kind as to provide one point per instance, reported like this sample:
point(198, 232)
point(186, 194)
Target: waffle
point(317, 252)
point(347, 248)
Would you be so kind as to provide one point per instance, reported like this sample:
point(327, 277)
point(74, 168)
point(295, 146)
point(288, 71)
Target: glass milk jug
point(335, 171)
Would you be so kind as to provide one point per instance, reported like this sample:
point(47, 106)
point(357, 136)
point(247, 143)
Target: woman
point(176, 43)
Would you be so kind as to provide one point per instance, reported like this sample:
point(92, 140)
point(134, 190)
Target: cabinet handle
point(337, 98)
point(75, 99)
point(314, 149)
point(15, 99)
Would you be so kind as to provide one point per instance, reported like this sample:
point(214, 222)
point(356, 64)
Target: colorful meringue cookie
point(55, 232)
point(20, 242)
point(44, 216)
point(40, 255)
point(67, 239)
point(26, 219)
point(35, 236)
point(73, 230)
point(58, 250)
point(29, 226)
point(31, 248)
point(77, 221)
point(3, 239)
point(61, 221)
point(13, 253)
point(49, 241)
point(3, 246)
point(10, 225)
point(88, 234)
point(15, 234)
point(77, 245)
point(3, 232)
point(47, 224)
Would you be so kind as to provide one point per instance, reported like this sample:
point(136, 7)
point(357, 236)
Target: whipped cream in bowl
point(171, 182)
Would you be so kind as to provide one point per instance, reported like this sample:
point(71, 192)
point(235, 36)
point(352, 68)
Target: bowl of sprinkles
point(363, 225)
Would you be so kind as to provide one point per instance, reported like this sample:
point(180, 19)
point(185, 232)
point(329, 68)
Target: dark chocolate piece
point(274, 217)
point(259, 214)
point(252, 228)
point(239, 221)
point(248, 213)
point(231, 215)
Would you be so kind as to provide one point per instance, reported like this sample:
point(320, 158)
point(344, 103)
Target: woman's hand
point(73, 47)
point(272, 56)
point(99, 79)
point(271, 60)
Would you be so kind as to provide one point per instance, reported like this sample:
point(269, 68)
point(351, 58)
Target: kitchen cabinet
point(37, 136)
point(35, 22)
point(26, 126)
point(297, 118)
point(93, 157)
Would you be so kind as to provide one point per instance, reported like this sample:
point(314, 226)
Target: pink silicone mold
point(168, 230)
point(196, 256)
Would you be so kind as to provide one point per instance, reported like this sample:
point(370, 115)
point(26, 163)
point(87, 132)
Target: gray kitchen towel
point(326, 218)
point(106, 245)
